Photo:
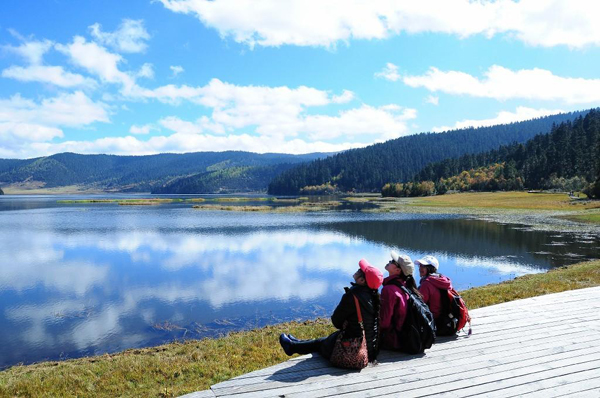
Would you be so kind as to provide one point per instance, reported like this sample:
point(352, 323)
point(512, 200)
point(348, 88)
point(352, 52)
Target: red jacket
point(429, 289)
point(393, 313)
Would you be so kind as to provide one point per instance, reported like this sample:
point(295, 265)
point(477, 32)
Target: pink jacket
point(429, 288)
point(392, 312)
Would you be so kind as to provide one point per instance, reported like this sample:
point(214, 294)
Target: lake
point(86, 279)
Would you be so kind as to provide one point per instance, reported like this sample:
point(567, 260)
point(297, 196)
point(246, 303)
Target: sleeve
point(345, 308)
point(388, 299)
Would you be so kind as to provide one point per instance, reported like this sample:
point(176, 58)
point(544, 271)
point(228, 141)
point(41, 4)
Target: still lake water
point(89, 279)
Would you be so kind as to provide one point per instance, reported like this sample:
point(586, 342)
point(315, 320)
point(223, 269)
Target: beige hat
point(405, 263)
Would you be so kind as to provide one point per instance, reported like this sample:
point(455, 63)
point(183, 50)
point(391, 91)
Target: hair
point(430, 269)
point(411, 284)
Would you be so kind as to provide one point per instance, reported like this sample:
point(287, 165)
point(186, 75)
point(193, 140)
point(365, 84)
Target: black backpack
point(418, 330)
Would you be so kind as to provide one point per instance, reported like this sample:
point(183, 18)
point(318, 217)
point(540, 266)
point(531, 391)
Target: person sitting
point(367, 281)
point(394, 301)
point(432, 286)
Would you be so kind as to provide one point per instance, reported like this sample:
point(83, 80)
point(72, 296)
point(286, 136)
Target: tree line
point(566, 159)
point(368, 169)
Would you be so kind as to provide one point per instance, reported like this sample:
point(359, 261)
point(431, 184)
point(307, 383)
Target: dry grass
point(165, 371)
point(508, 200)
point(178, 368)
point(303, 207)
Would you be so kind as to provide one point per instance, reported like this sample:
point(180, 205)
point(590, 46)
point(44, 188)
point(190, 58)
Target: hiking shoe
point(286, 344)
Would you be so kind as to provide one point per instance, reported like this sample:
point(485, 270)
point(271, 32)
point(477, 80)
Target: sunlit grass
point(507, 200)
point(179, 368)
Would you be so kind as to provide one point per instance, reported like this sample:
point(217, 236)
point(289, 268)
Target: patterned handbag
point(351, 353)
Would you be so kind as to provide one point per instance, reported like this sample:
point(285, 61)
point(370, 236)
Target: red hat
point(373, 276)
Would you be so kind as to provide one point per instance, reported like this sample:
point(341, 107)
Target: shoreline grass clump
point(140, 201)
point(183, 367)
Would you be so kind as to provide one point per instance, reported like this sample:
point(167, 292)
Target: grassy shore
point(178, 368)
point(508, 200)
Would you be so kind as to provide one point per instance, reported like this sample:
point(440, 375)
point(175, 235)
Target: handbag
point(351, 353)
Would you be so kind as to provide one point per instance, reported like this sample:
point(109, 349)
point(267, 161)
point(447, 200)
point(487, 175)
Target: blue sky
point(142, 77)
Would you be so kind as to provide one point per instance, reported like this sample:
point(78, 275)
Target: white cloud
point(97, 60)
point(502, 84)
point(384, 123)
point(389, 72)
point(146, 71)
point(176, 69)
point(346, 96)
point(432, 99)
point(251, 118)
point(184, 142)
point(504, 117)
point(25, 123)
point(318, 23)
point(130, 37)
point(55, 75)
point(145, 129)
point(32, 51)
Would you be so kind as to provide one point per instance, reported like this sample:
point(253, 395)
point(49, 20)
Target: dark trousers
point(323, 345)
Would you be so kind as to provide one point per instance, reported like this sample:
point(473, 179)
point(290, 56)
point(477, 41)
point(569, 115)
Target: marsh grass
point(242, 199)
point(508, 200)
point(590, 217)
point(182, 367)
point(122, 202)
point(302, 207)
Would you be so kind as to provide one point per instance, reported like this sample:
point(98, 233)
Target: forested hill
point(368, 169)
point(1, 191)
point(132, 173)
point(570, 152)
point(229, 180)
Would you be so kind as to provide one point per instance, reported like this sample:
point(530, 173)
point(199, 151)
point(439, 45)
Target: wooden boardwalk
point(546, 346)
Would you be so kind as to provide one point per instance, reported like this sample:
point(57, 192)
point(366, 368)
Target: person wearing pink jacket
point(431, 286)
point(394, 301)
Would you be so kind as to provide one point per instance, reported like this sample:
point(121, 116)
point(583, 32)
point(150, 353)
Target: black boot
point(300, 346)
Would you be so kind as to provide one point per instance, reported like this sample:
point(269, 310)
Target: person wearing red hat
point(367, 281)
point(394, 301)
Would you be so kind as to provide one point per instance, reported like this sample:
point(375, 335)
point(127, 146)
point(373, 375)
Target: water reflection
point(81, 280)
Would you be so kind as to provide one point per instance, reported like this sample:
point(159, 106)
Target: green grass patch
point(507, 200)
point(592, 218)
point(179, 368)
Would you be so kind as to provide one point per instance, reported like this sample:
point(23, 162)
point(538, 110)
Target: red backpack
point(458, 310)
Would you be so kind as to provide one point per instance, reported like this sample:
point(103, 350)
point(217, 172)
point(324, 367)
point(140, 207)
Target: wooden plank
point(457, 351)
point(434, 366)
point(487, 384)
point(323, 366)
point(461, 353)
point(586, 381)
point(544, 344)
point(315, 364)
point(416, 377)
